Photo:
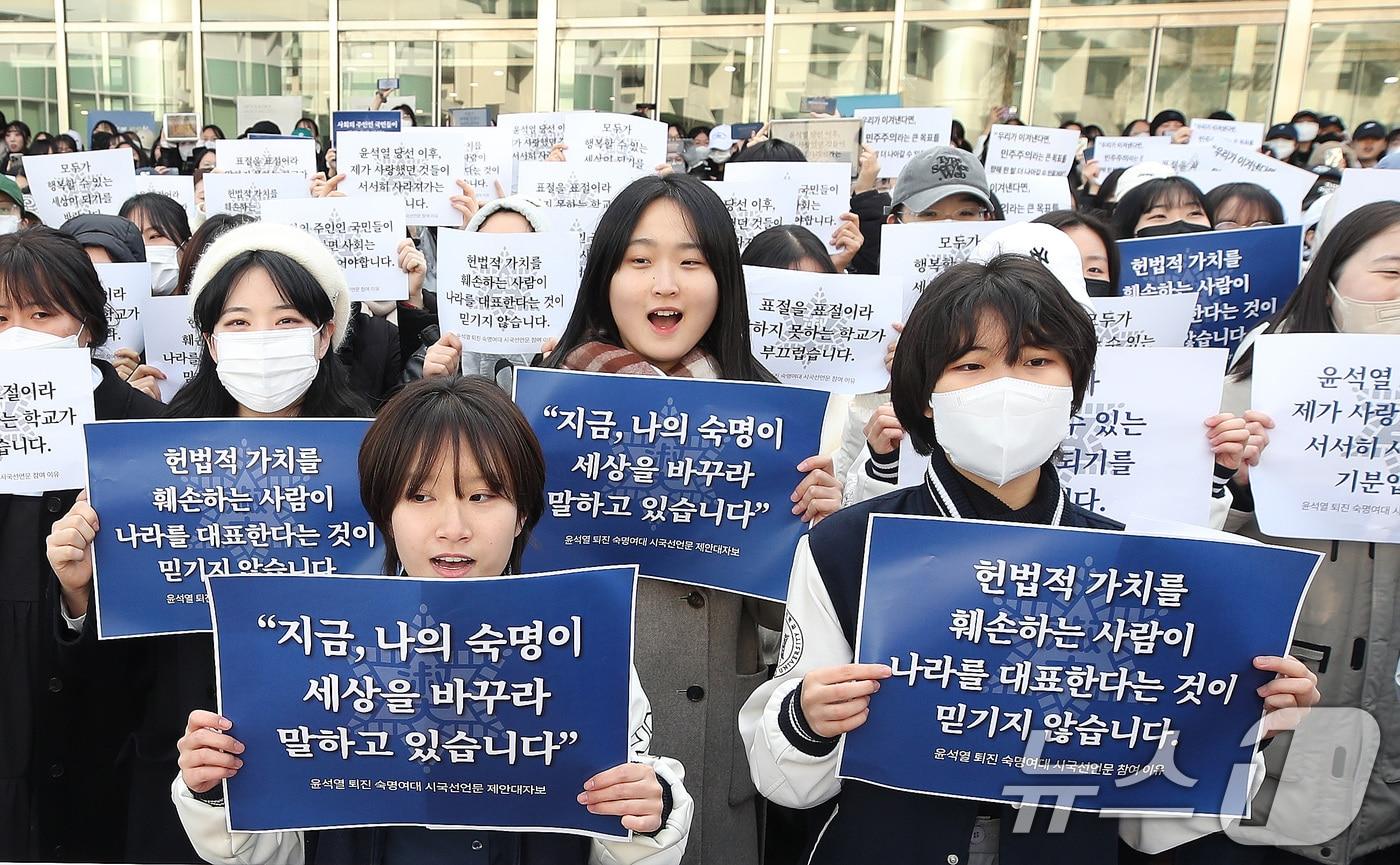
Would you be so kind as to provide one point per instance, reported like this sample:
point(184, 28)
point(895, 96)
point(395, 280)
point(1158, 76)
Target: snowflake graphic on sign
point(424, 672)
point(805, 333)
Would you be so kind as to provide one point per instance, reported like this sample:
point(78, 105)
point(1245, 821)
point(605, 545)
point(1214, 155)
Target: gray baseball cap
point(936, 174)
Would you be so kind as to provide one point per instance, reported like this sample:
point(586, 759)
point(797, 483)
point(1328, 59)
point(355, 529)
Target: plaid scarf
point(602, 357)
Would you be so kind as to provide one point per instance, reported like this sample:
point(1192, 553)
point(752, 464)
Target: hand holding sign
point(836, 700)
point(69, 551)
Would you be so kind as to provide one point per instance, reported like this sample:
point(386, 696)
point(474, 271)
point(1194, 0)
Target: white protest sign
point(284, 111)
point(506, 293)
point(1138, 445)
point(1226, 164)
point(1236, 133)
point(897, 135)
point(363, 232)
point(1113, 152)
point(1027, 196)
point(823, 139)
point(245, 193)
point(177, 186)
point(827, 331)
point(913, 254)
point(1332, 470)
point(1031, 150)
point(1184, 159)
point(1363, 186)
point(268, 156)
point(419, 167)
point(1145, 321)
point(45, 398)
point(65, 185)
point(128, 287)
point(487, 159)
point(621, 138)
point(173, 342)
point(758, 206)
point(532, 135)
point(823, 190)
point(575, 195)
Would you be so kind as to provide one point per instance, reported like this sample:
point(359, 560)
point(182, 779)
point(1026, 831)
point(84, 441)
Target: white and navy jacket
point(205, 824)
point(795, 767)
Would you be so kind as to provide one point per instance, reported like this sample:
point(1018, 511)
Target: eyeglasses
point(1225, 226)
point(962, 214)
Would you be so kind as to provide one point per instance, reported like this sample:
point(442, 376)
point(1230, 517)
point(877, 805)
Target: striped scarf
point(602, 357)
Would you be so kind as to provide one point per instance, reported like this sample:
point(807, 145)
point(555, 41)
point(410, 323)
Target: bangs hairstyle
point(48, 268)
point(161, 212)
point(1309, 308)
point(711, 227)
point(329, 395)
point(1016, 291)
point(1251, 197)
point(786, 247)
point(446, 418)
point(1165, 191)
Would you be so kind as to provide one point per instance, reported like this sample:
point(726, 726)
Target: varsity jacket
point(795, 767)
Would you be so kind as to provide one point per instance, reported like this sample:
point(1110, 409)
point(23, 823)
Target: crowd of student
point(110, 751)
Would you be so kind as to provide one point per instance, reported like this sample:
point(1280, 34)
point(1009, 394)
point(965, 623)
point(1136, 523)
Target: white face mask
point(165, 268)
point(267, 370)
point(16, 338)
point(1001, 429)
point(1307, 131)
point(1364, 316)
point(1282, 148)
point(9, 224)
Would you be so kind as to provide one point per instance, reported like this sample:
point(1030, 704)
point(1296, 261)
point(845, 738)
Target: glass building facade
point(705, 61)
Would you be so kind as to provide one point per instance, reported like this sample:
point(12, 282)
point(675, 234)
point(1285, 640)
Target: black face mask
point(1099, 287)
point(1181, 226)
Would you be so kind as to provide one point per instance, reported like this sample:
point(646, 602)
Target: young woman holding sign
point(980, 339)
point(272, 303)
point(60, 795)
point(663, 294)
point(1347, 628)
point(453, 477)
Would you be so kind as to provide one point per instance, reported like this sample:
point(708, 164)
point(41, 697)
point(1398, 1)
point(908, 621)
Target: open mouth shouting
point(452, 565)
point(665, 320)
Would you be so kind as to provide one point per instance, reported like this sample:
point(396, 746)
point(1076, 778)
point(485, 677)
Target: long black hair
point(1309, 308)
point(160, 212)
point(786, 247)
point(329, 395)
point(727, 339)
point(1164, 190)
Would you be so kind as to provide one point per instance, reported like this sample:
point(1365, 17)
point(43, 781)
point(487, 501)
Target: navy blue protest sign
point(688, 478)
point(483, 703)
point(182, 500)
point(1101, 670)
point(364, 121)
point(1241, 277)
